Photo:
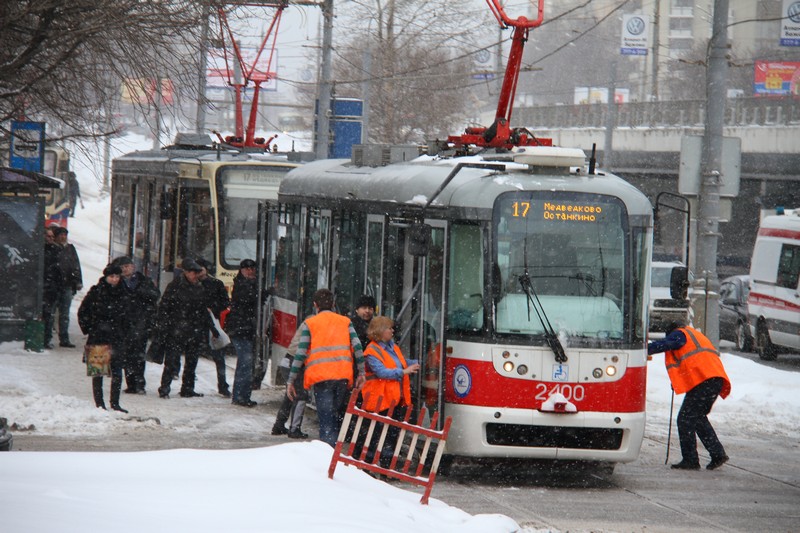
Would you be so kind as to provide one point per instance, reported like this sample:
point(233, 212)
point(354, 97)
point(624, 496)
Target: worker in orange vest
point(388, 384)
point(328, 345)
point(695, 368)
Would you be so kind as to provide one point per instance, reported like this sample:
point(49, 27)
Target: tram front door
point(413, 289)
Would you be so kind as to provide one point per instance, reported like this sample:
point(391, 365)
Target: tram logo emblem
point(462, 381)
point(560, 372)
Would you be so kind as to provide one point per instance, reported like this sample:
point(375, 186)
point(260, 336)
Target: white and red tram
point(518, 279)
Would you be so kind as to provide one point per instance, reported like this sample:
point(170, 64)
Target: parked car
point(734, 319)
point(668, 303)
point(6, 440)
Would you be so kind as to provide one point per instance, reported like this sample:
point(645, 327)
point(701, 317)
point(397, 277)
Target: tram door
point(374, 260)
point(413, 290)
point(266, 253)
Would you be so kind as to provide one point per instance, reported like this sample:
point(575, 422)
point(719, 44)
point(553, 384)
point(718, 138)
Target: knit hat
point(190, 265)
point(366, 301)
point(247, 263)
point(122, 261)
point(111, 270)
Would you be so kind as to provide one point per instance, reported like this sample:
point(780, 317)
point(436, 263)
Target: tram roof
point(167, 157)
point(408, 186)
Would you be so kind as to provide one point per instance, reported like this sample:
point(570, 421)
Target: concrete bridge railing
point(684, 113)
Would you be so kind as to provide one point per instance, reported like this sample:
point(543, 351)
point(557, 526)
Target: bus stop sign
point(27, 146)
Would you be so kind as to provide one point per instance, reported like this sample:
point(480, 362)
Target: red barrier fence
point(413, 467)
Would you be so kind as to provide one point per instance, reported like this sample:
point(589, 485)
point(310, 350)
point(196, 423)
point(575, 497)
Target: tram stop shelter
point(22, 224)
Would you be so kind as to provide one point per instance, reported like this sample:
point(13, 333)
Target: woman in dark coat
point(102, 317)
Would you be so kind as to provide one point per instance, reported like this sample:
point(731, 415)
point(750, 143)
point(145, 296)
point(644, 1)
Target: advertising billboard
point(776, 78)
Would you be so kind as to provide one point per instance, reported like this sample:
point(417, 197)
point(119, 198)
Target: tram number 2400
point(570, 392)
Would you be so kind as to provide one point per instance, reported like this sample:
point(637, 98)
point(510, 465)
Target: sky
point(218, 490)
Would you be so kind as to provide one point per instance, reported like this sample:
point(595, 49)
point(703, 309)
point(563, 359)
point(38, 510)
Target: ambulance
point(774, 301)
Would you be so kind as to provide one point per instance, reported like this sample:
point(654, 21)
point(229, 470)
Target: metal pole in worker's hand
point(669, 429)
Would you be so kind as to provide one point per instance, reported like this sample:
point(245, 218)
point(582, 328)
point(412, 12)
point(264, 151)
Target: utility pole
point(200, 117)
point(706, 310)
point(654, 55)
point(611, 119)
point(366, 88)
point(325, 83)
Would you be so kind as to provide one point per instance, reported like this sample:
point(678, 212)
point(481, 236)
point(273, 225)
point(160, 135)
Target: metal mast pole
point(200, 116)
point(325, 83)
point(707, 284)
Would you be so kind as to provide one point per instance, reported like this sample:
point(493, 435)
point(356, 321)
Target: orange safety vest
point(695, 362)
point(329, 354)
point(388, 389)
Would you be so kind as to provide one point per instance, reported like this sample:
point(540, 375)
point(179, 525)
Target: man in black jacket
point(52, 284)
point(241, 326)
point(183, 325)
point(217, 301)
point(72, 282)
point(141, 317)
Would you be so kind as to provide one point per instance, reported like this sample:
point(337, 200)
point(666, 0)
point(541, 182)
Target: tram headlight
point(522, 370)
point(611, 370)
point(506, 354)
point(508, 366)
point(597, 373)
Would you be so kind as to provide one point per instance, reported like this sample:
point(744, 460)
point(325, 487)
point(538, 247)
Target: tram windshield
point(239, 189)
point(572, 248)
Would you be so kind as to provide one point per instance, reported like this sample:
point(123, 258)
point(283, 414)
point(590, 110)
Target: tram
point(518, 279)
point(57, 206)
point(190, 200)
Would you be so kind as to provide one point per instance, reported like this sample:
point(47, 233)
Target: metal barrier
point(413, 468)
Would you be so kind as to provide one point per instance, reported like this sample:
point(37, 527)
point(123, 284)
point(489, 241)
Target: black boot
point(97, 392)
point(116, 388)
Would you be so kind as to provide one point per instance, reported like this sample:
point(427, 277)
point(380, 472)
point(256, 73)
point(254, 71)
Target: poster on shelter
point(777, 78)
point(21, 245)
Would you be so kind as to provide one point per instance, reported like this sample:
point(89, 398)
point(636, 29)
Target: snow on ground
point(278, 488)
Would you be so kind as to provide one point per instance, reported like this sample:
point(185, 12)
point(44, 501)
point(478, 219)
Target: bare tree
point(65, 61)
point(412, 59)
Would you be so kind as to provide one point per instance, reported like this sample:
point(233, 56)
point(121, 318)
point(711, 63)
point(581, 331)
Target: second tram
point(190, 200)
point(519, 281)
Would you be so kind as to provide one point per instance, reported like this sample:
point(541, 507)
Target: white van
point(774, 301)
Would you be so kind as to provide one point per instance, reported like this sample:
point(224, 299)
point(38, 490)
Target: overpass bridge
point(646, 140)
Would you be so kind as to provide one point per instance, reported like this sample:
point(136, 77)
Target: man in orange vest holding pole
point(328, 344)
point(694, 368)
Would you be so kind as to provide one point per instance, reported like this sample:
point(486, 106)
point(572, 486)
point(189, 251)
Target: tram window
point(154, 235)
point(120, 217)
point(140, 210)
point(575, 263)
point(287, 261)
point(348, 279)
point(239, 189)
point(197, 224)
point(465, 291)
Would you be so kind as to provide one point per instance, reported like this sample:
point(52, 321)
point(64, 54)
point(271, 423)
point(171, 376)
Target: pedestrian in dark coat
point(74, 193)
point(141, 318)
point(53, 284)
point(217, 302)
point(183, 325)
point(101, 316)
point(241, 327)
point(72, 282)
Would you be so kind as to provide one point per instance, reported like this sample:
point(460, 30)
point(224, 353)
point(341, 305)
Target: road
point(758, 490)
